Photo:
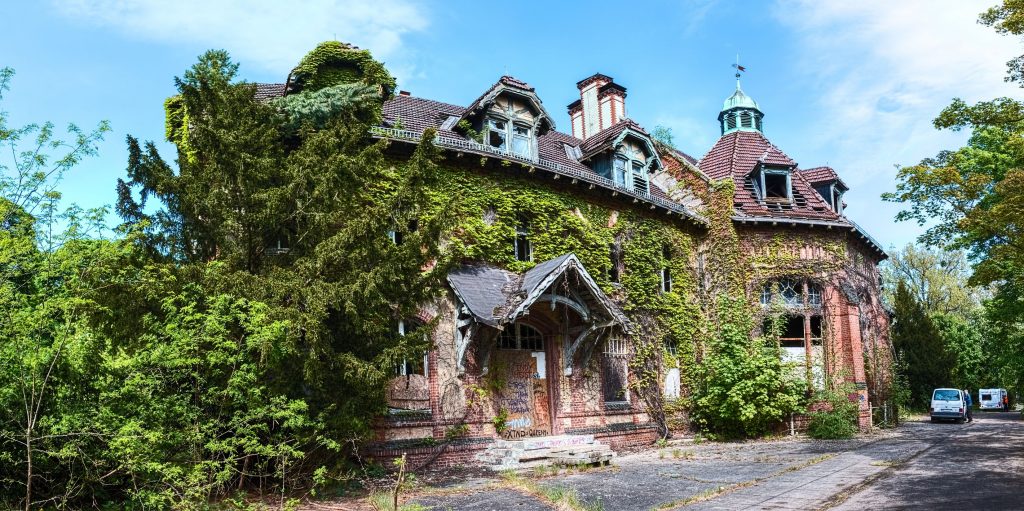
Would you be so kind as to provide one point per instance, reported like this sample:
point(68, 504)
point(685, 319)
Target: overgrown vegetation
point(836, 416)
point(971, 199)
point(237, 332)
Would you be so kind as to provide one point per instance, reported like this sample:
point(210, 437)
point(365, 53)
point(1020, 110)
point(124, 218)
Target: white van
point(948, 404)
point(992, 399)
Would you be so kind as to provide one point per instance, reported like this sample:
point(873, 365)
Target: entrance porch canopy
point(495, 298)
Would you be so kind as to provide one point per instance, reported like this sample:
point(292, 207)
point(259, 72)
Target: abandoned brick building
point(569, 232)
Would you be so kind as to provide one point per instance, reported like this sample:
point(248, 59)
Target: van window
point(946, 395)
point(986, 397)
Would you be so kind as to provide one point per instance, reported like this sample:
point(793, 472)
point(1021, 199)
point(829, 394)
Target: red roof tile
point(739, 153)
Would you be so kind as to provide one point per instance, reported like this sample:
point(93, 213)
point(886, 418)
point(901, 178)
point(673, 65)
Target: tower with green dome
point(740, 112)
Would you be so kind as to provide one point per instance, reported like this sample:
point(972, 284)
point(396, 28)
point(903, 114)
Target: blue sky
point(853, 85)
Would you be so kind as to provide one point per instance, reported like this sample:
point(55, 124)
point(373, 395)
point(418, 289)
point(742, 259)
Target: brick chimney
point(602, 103)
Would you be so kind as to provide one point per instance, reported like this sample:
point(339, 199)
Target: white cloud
point(273, 35)
point(882, 71)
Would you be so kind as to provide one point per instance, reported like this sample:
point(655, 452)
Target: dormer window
point(837, 200)
point(521, 138)
point(619, 170)
point(497, 134)
point(639, 177)
point(776, 185)
point(833, 195)
point(500, 131)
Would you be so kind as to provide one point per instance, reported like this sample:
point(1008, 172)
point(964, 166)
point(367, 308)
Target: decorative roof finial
point(739, 69)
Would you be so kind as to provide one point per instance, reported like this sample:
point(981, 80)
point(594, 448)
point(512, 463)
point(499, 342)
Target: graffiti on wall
point(525, 395)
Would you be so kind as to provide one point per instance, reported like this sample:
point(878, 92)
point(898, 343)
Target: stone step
point(542, 451)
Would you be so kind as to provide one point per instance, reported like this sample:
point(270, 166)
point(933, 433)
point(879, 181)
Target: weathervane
point(739, 69)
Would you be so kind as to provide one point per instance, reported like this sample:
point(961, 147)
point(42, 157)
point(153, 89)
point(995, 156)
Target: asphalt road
point(979, 465)
point(920, 465)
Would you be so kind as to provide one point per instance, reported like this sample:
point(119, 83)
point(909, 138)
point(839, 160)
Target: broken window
point(521, 141)
point(816, 331)
point(520, 337)
point(398, 236)
point(666, 271)
point(790, 290)
point(523, 249)
point(416, 364)
point(497, 134)
point(776, 185)
point(792, 332)
point(615, 371)
point(410, 388)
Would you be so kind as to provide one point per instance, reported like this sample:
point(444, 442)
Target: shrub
point(838, 419)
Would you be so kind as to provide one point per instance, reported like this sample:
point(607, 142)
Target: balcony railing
point(554, 167)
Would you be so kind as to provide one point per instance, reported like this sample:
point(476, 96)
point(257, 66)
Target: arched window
point(791, 292)
point(746, 120)
point(730, 121)
point(518, 336)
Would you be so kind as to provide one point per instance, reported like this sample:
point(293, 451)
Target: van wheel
point(934, 420)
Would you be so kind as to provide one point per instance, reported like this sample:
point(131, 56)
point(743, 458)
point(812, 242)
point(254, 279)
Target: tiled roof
point(822, 175)
point(737, 154)
point(417, 114)
point(266, 91)
point(601, 139)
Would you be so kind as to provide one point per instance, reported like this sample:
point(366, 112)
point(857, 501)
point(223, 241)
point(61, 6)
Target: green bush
point(837, 421)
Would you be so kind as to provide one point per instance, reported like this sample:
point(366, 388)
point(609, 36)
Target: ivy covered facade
point(584, 266)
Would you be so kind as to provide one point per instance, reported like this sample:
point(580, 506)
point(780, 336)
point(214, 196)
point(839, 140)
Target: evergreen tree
point(919, 348)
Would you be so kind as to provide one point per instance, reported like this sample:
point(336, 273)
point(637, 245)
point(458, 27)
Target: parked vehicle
point(948, 404)
point(993, 399)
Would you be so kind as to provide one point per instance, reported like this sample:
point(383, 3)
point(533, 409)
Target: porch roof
point(496, 297)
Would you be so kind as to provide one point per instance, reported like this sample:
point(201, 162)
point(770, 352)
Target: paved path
point(974, 466)
point(920, 466)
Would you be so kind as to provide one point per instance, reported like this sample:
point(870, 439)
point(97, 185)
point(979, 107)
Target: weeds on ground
point(560, 497)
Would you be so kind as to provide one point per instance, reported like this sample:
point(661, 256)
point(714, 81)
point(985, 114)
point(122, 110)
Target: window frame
point(510, 136)
point(764, 184)
point(517, 335)
point(666, 269)
point(615, 349)
point(522, 249)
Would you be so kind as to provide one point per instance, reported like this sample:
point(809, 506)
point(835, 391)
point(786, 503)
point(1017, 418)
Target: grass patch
point(562, 498)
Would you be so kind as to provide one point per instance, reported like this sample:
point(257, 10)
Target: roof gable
point(611, 137)
point(497, 297)
point(514, 87)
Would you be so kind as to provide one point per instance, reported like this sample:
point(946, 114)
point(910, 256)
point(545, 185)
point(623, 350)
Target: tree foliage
point(919, 348)
point(973, 199)
point(937, 278)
